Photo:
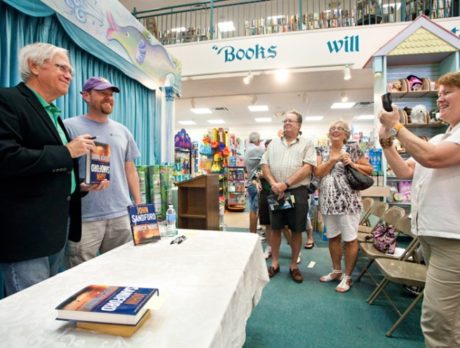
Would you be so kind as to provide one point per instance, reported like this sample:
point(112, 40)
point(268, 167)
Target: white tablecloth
point(208, 287)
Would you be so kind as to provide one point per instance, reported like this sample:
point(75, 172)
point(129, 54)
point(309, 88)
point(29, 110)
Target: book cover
point(114, 329)
point(98, 164)
point(106, 304)
point(144, 224)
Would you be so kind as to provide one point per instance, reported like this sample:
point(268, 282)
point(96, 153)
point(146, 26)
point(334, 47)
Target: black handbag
point(358, 180)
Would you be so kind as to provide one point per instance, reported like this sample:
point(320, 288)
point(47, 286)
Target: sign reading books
point(98, 164)
point(107, 304)
point(144, 224)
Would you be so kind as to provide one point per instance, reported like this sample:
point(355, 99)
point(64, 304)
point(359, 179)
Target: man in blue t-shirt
point(105, 217)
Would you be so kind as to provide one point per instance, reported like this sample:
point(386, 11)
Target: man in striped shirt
point(287, 165)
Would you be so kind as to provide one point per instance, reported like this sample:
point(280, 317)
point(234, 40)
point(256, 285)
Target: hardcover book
point(114, 329)
point(106, 304)
point(144, 224)
point(98, 164)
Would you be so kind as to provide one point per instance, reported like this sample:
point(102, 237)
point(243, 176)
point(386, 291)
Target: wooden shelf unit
point(198, 203)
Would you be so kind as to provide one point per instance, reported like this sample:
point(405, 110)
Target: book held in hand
point(98, 164)
point(144, 224)
point(106, 304)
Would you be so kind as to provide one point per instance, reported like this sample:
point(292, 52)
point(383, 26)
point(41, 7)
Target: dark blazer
point(35, 168)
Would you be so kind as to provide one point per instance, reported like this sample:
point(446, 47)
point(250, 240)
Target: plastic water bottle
point(171, 221)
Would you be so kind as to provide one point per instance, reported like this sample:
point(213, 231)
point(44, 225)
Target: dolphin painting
point(150, 57)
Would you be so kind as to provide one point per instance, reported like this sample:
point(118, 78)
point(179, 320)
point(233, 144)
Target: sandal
point(336, 274)
point(344, 285)
point(272, 271)
point(310, 245)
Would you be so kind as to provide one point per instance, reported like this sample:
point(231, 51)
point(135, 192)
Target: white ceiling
point(311, 93)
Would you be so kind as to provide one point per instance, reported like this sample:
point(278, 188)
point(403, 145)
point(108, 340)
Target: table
point(208, 285)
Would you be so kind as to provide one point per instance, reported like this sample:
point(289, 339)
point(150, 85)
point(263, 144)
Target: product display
point(144, 224)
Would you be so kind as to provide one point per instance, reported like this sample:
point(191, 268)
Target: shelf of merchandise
point(403, 56)
point(235, 188)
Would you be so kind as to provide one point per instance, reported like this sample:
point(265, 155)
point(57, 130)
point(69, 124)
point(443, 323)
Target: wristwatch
point(395, 129)
point(287, 185)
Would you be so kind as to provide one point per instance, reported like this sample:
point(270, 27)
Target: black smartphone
point(386, 102)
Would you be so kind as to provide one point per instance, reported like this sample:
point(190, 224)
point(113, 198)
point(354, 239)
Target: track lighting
point(248, 78)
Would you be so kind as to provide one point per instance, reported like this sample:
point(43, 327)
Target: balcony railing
point(211, 20)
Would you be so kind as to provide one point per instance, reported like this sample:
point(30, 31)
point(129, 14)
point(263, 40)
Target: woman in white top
point(435, 170)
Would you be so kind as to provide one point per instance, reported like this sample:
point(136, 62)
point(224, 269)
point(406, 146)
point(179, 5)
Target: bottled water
point(171, 221)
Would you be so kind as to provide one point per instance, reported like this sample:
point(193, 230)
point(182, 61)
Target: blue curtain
point(134, 106)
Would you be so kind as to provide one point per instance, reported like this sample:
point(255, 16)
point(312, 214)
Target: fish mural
point(145, 52)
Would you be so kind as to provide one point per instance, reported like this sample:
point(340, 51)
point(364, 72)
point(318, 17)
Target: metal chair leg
point(364, 270)
point(404, 315)
point(377, 291)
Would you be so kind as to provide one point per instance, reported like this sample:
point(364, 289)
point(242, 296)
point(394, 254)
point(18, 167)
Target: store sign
point(232, 53)
point(348, 44)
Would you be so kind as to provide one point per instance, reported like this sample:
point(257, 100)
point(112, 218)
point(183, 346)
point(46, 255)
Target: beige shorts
point(346, 225)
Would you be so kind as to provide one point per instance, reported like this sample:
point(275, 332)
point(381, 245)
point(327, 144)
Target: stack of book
point(115, 310)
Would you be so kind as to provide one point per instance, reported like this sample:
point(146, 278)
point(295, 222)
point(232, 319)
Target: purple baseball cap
point(99, 84)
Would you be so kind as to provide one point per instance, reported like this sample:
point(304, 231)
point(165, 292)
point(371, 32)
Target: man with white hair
point(252, 157)
point(40, 198)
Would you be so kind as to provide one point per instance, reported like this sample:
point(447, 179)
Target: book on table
point(98, 164)
point(144, 224)
point(106, 304)
point(114, 329)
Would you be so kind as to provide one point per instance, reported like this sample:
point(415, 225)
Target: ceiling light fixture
point(258, 108)
point(248, 78)
point(263, 119)
point(347, 105)
point(343, 97)
point(281, 75)
point(364, 117)
point(201, 111)
point(219, 121)
point(187, 123)
point(347, 73)
point(313, 118)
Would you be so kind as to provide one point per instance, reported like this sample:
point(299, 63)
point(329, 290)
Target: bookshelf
point(198, 203)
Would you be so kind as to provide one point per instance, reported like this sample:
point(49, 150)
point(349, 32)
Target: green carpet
point(313, 314)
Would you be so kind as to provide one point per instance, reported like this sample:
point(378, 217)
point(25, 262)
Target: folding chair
point(368, 203)
point(393, 216)
point(374, 216)
point(400, 272)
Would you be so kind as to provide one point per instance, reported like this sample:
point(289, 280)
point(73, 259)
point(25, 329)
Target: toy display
point(214, 151)
point(182, 156)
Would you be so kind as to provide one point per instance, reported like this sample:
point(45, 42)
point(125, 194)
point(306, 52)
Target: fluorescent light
point(187, 123)
point(201, 111)
point(263, 119)
point(313, 118)
point(226, 26)
point(216, 121)
point(347, 105)
point(347, 73)
point(364, 117)
point(281, 75)
point(179, 29)
point(258, 108)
